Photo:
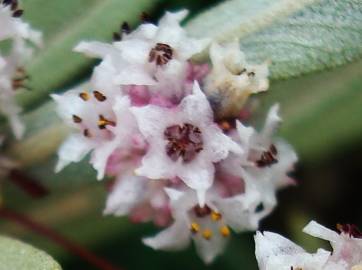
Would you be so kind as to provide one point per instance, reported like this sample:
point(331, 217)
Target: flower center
point(183, 141)
point(268, 158)
point(350, 229)
point(161, 54)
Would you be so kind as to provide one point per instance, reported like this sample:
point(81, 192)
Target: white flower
point(232, 80)
point(347, 247)
point(263, 165)
point(183, 142)
point(151, 55)
point(274, 252)
point(12, 75)
point(140, 198)
point(103, 118)
point(208, 226)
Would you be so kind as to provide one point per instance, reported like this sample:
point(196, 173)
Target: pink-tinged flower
point(151, 55)
point(140, 198)
point(12, 74)
point(232, 80)
point(264, 165)
point(183, 142)
point(347, 246)
point(208, 226)
point(103, 118)
point(274, 252)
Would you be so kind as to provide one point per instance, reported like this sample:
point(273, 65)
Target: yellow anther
point(194, 228)
point(225, 231)
point(215, 216)
point(84, 95)
point(207, 234)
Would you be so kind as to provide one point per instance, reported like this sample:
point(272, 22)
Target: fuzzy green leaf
point(298, 37)
point(16, 255)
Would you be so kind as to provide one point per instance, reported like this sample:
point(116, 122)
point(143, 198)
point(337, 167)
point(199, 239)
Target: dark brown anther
point(125, 28)
point(18, 13)
point(145, 17)
point(7, 2)
point(76, 119)
point(268, 158)
point(241, 71)
point(251, 74)
point(104, 122)
point(350, 229)
point(99, 96)
point(184, 142)
point(161, 54)
point(202, 211)
point(84, 95)
point(14, 5)
point(86, 133)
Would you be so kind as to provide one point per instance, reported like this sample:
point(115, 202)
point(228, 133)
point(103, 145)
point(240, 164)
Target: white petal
point(127, 193)
point(176, 237)
point(196, 107)
point(74, 149)
point(272, 123)
point(100, 156)
point(245, 134)
point(174, 194)
point(209, 249)
point(94, 49)
point(315, 229)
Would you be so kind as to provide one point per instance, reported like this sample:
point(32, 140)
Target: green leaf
point(16, 255)
point(64, 24)
point(298, 37)
point(320, 111)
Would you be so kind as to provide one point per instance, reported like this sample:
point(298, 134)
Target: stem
point(51, 234)
point(34, 188)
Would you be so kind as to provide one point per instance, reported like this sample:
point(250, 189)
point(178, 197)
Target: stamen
point(99, 96)
point(268, 158)
point(125, 28)
point(194, 228)
point(76, 119)
point(183, 142)
point(86, 133)
point(202, 211)
point(251, 74)
point(350, 229)
point(18, 13)
point(207, 234)
point(104, 122)
point(161, 54)
point(84, 95)
point(215, 216)
point(225, 231)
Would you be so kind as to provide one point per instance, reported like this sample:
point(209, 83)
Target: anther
point(207, 234)
point(86, 133)
point(161, 54)
point(84, 95)
point(18, 13)
point(225, 231)
point(215, 216)
point(194, 227)
point(251, 74)
point(104, 122)
point(99, 96)
point(76, 119)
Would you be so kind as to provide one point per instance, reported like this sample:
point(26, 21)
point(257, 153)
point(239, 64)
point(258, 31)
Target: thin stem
point(51, 234)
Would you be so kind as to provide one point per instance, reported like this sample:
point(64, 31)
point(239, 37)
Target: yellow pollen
point(84, 95)
point(215, 216)
point(207, 234)
point(225, 231)
point(194, 228)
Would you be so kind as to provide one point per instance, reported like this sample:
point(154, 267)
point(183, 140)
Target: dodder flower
point(12, 74)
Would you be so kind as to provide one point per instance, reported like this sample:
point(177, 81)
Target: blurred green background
point(322, 119)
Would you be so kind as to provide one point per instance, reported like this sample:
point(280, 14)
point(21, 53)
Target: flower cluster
point(168, 130)
point(12, 73)
point(273, 251)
